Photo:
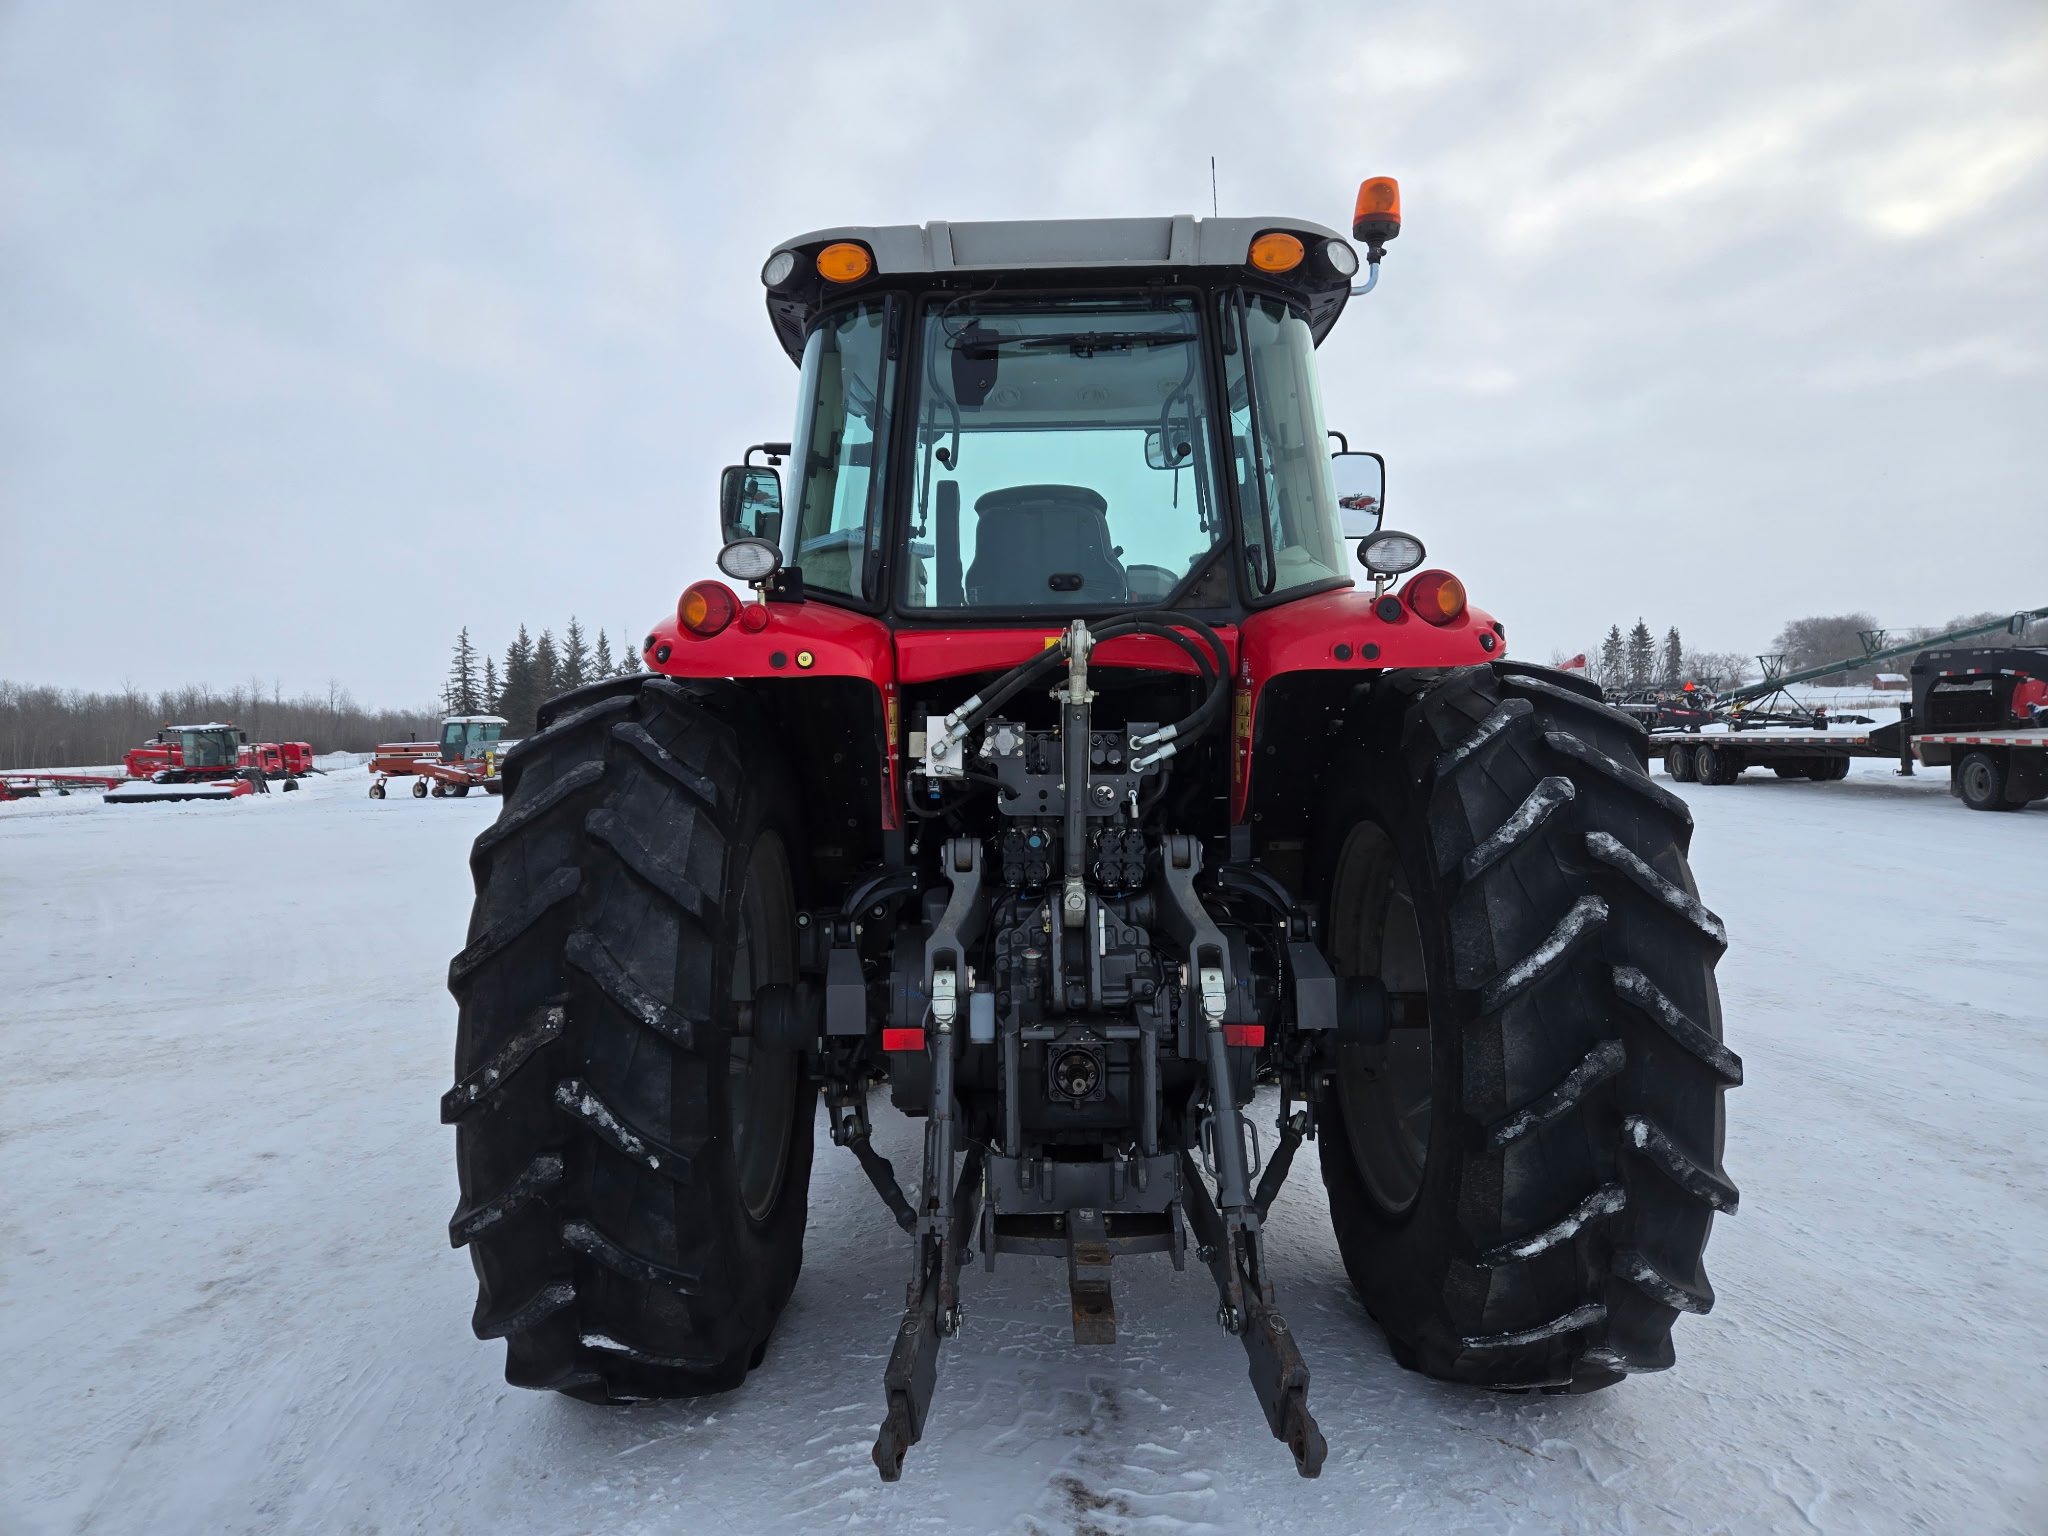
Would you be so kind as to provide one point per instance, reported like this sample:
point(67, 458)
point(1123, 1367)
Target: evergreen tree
point(547, 668)
point(492, 688)
point(521, 695)
point(1674, 659)
point(575, 669)
point(601, 658)
point(1613, 659)
point(1642, 657)
point(460, 694)
point(629, 657)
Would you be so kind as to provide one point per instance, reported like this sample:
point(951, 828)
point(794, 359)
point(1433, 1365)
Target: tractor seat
point(1026, 535)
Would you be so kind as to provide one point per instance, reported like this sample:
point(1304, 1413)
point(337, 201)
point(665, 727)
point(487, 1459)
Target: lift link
point(946, 1210)
point(1234, 1251)
point(913, 1369)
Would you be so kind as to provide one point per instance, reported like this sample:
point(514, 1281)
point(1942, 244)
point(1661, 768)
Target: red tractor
point(1059, 778)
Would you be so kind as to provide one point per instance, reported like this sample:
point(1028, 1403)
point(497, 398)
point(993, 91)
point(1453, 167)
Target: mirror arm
point(1372, 276)
point(774, 452)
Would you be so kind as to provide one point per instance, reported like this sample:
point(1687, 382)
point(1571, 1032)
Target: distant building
point(1891, 680)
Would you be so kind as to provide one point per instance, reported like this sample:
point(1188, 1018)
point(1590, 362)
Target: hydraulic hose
point(1213, 669)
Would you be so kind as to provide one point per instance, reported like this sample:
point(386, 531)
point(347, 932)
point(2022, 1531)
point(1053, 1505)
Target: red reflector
point(1244, 1034)
point(902, 1039)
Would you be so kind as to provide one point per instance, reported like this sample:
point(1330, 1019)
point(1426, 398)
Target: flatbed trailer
point(1980, 712)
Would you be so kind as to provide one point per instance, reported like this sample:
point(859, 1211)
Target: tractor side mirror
point(1361, 481)
point(750, 503)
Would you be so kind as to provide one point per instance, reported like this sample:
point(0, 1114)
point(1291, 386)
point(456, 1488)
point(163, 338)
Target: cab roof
point(1077, 253)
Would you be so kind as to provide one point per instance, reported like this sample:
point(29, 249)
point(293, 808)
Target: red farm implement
point(465, 758)
point(191, 762)
point(215, 761)
point(29, 784)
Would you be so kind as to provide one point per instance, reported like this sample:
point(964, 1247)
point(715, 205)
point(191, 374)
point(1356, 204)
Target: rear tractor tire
point(634, 1167)
point(1522, 1183)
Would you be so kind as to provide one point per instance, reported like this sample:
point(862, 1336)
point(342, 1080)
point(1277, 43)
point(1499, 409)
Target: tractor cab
point(470, 737)
point(205, 747)
point(1058, 418)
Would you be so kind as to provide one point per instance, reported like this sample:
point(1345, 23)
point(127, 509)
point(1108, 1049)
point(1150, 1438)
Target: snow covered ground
point(227, 1303)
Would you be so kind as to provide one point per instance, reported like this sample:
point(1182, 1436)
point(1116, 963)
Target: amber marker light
point(707, 608)
point(844, 262)
point(1377, 216)
point(1276, 252)
point(1436, 596)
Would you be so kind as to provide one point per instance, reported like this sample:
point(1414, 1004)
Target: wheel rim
point(1385, 1090)
point(1977, 780)
point(761, 1084)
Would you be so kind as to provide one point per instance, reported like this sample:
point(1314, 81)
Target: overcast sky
point(326, 329)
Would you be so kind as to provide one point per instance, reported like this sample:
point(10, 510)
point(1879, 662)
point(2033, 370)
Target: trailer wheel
point(1679, 764)
point(1980, 781)
point(419, 789)
point(634, 1172)
point(1716, 765)
point(1798, 768)
point(1828, 770)
point(1523, 1186)
point(289, 786)
point(458, 790)
point(376, 791)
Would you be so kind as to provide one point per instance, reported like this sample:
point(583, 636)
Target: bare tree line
point(65, 727)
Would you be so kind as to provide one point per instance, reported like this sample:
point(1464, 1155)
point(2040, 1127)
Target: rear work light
point(707, 607)
point(1436, 596)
